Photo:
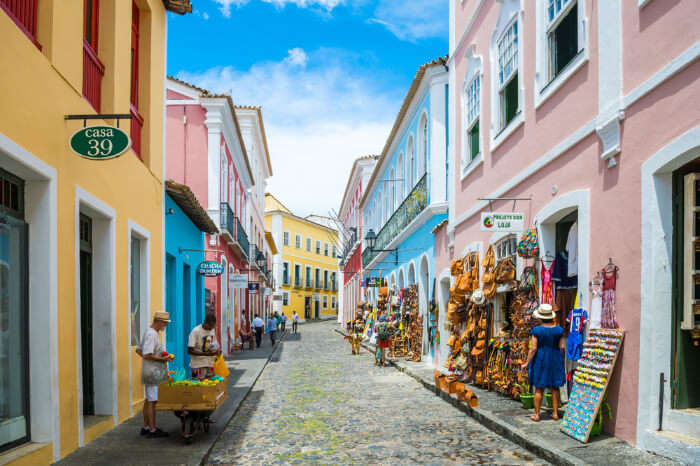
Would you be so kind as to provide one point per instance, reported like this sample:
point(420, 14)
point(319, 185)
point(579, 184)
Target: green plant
point(524, 389)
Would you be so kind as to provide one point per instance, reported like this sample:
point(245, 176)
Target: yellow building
point(81, 241)
point(306, 268)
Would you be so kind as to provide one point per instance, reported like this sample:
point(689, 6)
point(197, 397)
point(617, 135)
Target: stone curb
point(488, 420)
point(205, 458)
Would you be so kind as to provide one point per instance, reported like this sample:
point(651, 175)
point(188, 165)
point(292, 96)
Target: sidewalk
point(507, 418)
point(124, 445)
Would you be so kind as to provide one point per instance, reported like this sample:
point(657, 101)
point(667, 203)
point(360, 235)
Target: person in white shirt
point(283, 322)
point(203, 347)
point(154, 371)
point(259, 327)
point(295, 321)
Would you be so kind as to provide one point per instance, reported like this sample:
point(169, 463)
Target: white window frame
point(325, 249)
point(474, 71)
point(423, 138)
point(510, 13)
point(300, 275)
point(309, 282)
point(297, 241)
point(400, 176)
point(318, 247)
point(309, 244)
point(289, 274)
point(334, 252)
point(326, 279)
point(317, 273)
point(325, 301)
point(410, 164)
point(285, 238)
point(285, 298)
point(546, 86)
point(333, 302)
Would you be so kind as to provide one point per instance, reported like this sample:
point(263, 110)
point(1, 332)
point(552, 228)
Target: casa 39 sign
point(511, 223)
point(210, 269)
point(100, 142)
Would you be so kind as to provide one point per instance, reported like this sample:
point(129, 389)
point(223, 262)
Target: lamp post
point(371, 240)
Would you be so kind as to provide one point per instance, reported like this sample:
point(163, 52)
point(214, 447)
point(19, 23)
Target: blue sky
point(330, 76)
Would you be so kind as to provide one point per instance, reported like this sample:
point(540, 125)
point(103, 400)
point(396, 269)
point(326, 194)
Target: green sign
point(100, 142)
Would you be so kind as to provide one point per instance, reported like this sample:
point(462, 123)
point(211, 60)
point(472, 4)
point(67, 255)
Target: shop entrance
point(307, 307)
point(86, 317)
point(317, 309)
point(14, 349)
point(566, 280)
point(685, 337)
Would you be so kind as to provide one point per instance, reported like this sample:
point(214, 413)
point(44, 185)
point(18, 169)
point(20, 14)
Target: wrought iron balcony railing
point(227, 220)
point(414, 204)
point(242, 237)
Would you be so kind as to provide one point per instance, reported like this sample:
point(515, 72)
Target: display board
point(591, 380)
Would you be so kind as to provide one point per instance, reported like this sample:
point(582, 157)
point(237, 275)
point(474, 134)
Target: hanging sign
point(253, 288)
point(210, 269)
point(100, 142)
point(373, 282)
point(238, 281)
point(493, 221)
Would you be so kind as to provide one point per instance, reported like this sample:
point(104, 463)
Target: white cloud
point(413, 19)
point(327, 5)
point(321, 111)
point(205, 15)
point(225, 6)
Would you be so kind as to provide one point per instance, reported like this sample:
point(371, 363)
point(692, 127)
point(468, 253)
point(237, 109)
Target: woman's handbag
point(457, 267)
point(489, 289)
point(505, 271)
point(489, 259)
point(464, 283)
point(528, 245)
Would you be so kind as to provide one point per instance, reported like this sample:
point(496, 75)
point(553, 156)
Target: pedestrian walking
point(278, 320)
point(258, 326)
point(284, 321)
point(545, 361)
point(295, 322)
point(272, 328)
point(154, 370)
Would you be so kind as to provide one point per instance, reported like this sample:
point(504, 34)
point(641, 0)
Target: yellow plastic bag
point(220, 368)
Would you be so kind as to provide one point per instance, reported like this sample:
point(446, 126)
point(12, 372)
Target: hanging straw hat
point(545, 312)
point(478, 297)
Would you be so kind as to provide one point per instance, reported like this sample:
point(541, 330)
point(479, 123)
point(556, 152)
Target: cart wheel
point(188, 440)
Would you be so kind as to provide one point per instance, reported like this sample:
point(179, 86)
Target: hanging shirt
point(572, 249)
point(560, 274)
point(574, 344)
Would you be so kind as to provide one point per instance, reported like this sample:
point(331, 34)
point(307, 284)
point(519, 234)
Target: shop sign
point(100, 142)
point(277, 297)
point(238, 281)
point(253, 288)
point(374, 282)
point(210, 269)
point(497, 222)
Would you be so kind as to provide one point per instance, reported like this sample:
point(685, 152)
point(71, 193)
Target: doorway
point(307, 307)
point(86, 315)
point(317, 308)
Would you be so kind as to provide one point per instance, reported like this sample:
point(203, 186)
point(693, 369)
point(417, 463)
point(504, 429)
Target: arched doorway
point(423, 299)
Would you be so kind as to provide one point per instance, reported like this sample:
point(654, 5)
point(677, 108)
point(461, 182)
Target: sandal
point(535, 418)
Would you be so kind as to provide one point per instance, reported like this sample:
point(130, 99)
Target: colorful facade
point(207, 153)
point(595, 128)
point(70, 223)
point(305, 270)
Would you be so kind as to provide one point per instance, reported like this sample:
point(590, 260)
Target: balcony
point(414, 204)
point(257, 255)
point(233, 231)
point(136, 128)
point(24, 14)
point(93, 70)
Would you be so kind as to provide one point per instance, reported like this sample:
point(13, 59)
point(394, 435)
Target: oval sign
point(100, 142)
point(210, 269)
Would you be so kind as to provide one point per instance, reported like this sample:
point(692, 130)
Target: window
point(335, 251)
point(308, 244)
point(334, 285)
point(562, 35)
point(297, 275)
point(422, 147)
point(318, 247)
point(93, 69)
point(473, 109)
point(325, 301)
point(333, 302)
point(23, 13)
point(135, 275)
point(285, 239)
point(325, 280)
point(297, 241)
point(508, 74)
point(317, 273)
point(399, 176)
point(136, 118)
point(410, 164)
point(325, 249)
point(392, 181)
point(285, 298)
point(506, 248)
point(285, 273)
point(308, 277)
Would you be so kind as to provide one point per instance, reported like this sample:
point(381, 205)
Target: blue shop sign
point(210, 269)
point(253, 288)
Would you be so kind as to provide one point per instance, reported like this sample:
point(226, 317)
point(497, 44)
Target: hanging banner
point(510, 223)
point(373, 282)
point(100, 142)
point(238, 281)
point(210, 269)
point(253, 288)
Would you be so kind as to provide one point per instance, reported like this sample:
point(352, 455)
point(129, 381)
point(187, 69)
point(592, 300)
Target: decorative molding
point(609, 134)
point(471, 166)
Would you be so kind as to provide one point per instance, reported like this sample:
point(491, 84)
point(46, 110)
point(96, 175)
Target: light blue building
point(186, 221)
point(406, 197)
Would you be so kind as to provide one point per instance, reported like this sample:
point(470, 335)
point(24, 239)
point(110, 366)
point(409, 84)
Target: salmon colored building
point(585, 113)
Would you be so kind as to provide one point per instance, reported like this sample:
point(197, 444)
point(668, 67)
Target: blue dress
point(547, 367)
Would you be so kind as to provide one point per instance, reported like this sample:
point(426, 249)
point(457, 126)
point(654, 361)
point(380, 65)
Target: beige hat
point(161, 316)
point(545, 312)
point(478, 297)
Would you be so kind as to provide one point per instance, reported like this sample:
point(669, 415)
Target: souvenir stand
point(400, 343)
point(413, 324)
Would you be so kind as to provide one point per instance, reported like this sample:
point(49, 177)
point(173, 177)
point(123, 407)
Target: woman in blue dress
point(545, 361)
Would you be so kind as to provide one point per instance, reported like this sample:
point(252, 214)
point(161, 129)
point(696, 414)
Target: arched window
point(423, 148)
point(387, 203)
point(410, 165)
point(380, 219)
point(393, 190)
point(399, 176)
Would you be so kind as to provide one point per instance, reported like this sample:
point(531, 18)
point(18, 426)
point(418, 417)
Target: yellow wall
point(38, 88)
point(302, 257)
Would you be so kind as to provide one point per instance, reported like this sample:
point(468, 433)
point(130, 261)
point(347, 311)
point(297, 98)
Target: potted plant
point(526, 396)
point(597, 428)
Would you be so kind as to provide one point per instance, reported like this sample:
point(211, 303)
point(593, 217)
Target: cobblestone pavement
point(316, 403)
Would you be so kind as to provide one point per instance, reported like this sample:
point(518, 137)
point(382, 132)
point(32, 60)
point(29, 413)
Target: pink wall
point(615, 193)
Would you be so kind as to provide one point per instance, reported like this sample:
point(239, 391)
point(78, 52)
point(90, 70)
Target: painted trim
point(475, 246)
point(466, 32)
point(656, 296)
point(91, 202)
point(134, 229)
point(466, 170)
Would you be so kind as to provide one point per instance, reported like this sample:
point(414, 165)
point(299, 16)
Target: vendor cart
point(192, 404)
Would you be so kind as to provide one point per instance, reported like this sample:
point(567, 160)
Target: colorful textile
point(609, 313)
point(547, 290)
point(574, 344)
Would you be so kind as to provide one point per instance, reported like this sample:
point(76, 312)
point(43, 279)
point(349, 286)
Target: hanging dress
point(609, 314)
point(547, 367)
point(596, 305)
point(547, 288)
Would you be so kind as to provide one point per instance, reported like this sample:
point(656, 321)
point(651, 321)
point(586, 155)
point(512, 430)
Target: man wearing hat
point(154, 371)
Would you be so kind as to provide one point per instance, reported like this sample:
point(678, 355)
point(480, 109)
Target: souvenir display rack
point(413, 324)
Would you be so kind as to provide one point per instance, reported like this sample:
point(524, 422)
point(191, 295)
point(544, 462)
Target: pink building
point(206, 151)
point(589, 110)
point(351, 237)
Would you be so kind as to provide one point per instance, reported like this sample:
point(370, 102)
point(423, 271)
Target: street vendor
point(203, 347)
point(154, 371)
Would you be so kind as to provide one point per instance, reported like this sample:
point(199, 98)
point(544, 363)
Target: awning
point(186, 200)
point(180, 7)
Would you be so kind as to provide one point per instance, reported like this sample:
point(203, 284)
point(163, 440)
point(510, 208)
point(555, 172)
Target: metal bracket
point(180, 250)
point(514, 199)
point(100, 116)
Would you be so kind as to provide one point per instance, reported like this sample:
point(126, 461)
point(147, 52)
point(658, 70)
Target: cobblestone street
point(315, 403)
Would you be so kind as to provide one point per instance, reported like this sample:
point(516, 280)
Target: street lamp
point(260, 260)
point(371, 239)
